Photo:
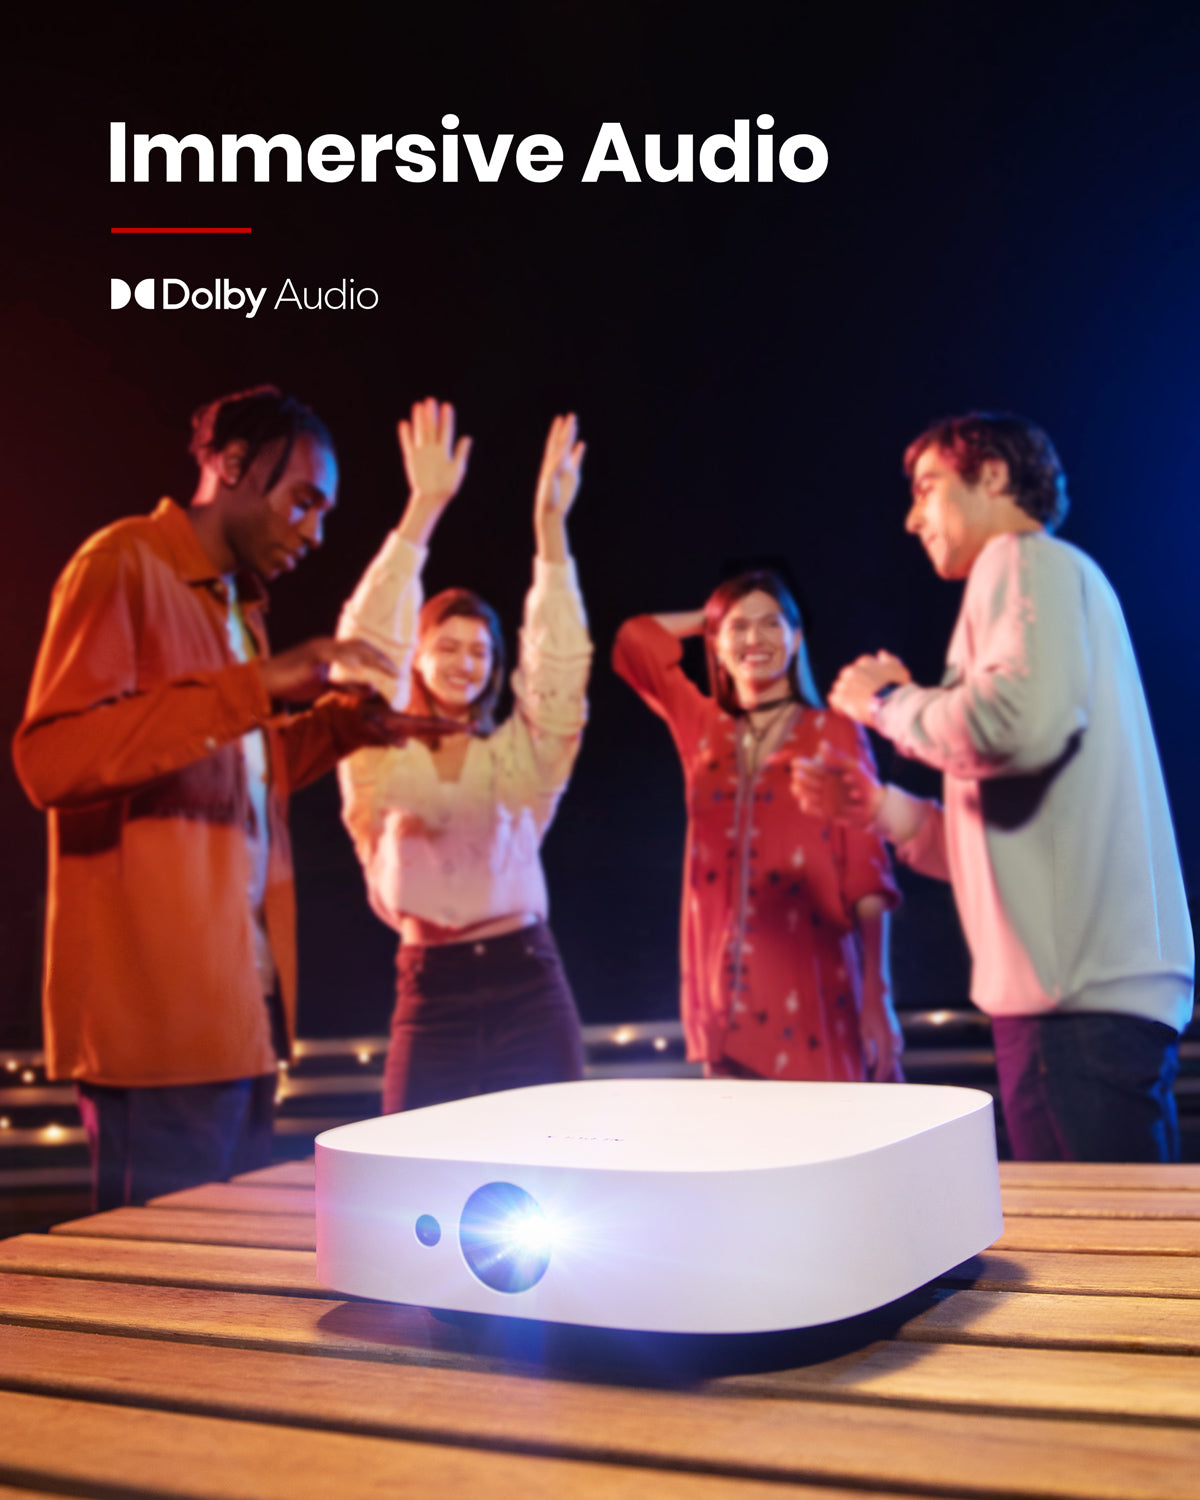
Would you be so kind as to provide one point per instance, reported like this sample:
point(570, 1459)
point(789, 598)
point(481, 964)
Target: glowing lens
point(505, 1237)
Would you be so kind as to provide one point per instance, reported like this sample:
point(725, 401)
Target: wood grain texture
point(394, 1331)
point(1105, 1236)
point(238, 1197)
point(185, 1349)
point(1142, 1177)
point(198, 1227)
point(141, 1451)
point(1100, 1203)
point(1060, 1271)
point(1048, 1320)
point(282, 1174)
point(726, 1429)
point(457, 1403)
point(230, 1267)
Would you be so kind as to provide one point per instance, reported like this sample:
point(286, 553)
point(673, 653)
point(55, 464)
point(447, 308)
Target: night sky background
point(1009, 220)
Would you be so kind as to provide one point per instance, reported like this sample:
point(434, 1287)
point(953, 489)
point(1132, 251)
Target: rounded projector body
point(664, 1205)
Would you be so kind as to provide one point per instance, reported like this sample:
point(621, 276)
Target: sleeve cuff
point(887, 713)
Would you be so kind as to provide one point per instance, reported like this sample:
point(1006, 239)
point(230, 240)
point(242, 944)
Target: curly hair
point(1035, 475)
point(255, 417)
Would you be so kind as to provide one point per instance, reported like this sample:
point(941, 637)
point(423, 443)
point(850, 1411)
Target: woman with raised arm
point(449, 829)
point(785, 917)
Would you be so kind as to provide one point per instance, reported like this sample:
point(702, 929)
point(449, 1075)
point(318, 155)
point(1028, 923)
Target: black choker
point(774, 703)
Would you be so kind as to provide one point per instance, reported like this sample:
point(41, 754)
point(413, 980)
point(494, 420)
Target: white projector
point(664, 1205)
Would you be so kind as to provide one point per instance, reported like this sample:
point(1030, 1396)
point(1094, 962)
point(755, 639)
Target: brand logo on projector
point(170, 294)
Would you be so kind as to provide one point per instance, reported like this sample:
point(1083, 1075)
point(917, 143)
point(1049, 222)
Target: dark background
point(1009, 220)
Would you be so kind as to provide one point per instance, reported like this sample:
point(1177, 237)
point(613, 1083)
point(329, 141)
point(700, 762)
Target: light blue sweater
point(1056, 834)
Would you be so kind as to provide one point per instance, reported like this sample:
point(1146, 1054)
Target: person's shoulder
point(1065, 563)
point(1013, 553)
point(128, 535)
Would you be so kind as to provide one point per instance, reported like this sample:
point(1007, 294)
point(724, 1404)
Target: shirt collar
point(192, 562)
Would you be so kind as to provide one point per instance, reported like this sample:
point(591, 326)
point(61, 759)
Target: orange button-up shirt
point(130, 742)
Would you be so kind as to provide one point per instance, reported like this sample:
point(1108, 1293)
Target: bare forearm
point(550, 531)
point(874, 925)
point(682, 623)
point(420, 518)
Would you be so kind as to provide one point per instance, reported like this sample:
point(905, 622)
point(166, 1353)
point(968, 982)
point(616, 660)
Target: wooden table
point(186, 1349)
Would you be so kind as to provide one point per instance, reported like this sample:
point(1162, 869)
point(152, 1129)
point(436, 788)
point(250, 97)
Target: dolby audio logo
point(221, 295)
point(123, 293)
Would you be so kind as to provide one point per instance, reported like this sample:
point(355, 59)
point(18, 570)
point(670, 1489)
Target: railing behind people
point(333, 1081)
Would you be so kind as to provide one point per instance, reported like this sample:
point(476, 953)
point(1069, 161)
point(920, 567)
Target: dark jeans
point(475, 1018)
point(1088, 1086)
point(148, 1141)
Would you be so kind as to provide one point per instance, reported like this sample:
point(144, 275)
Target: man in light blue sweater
point(1054, 831)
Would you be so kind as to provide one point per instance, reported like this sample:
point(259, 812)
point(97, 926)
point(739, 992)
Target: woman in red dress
point(784, 923)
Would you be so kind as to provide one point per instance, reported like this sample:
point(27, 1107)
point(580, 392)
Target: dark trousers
point(148, 1141)
point(1088, 1086)
point(476, 1018)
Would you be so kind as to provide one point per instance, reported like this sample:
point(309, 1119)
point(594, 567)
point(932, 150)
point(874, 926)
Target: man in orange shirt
point(154, 739)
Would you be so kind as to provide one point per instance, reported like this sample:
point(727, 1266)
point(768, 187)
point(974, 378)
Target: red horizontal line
point(205, 230)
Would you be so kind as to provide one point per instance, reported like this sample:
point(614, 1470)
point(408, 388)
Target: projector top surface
point(663, 1125)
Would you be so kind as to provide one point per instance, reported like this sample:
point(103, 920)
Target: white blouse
point(463, 852)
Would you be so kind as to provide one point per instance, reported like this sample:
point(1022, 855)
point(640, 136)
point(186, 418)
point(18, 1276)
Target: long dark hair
point(721, 601)
point(467, 604)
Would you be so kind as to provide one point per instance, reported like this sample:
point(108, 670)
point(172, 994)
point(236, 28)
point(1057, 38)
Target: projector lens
point(505, 1237)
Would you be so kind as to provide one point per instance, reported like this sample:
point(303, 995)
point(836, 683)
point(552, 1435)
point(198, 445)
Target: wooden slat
point(960, 1377)
point(1139, 1176)
point(243, 1198)
point(197, 1227)
point(235, 1268)
point(1104, 1236)
point(1100, 1203)
point(140, 1451)
point(397, 1331)
point(1052, 1271)
point(250, 1320)
point(646, 1434)
point(282, 1174)
point(1047, 1320)
point(451, 1401)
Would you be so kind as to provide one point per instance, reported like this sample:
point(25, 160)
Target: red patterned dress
point(770, 965)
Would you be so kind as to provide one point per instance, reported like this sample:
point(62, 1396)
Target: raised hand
point(557, 486)
point(434, 463)
point(836, 787)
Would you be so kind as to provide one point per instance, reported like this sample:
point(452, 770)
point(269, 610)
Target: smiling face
point(454, 660)
point(270, 530)
point(954, 519)
point(755, 644)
